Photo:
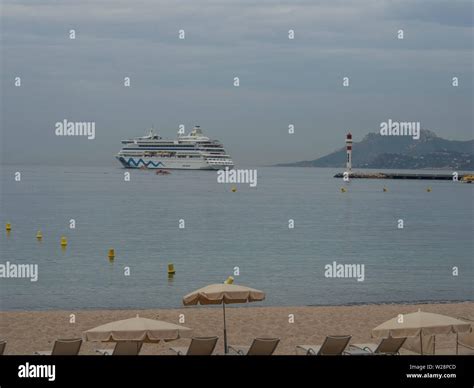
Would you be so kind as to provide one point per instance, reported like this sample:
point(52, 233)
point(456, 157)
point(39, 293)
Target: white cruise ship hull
point(173, 163)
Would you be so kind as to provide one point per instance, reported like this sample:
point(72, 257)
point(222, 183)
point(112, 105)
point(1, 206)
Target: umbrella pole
point(421, 342)
point(457, 343)
point(225, 331)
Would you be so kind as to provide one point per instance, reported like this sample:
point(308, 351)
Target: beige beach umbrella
point(223, 294)
point(137, 329)
point(420, 324)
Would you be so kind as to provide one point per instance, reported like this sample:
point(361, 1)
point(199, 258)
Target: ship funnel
point(196, 130)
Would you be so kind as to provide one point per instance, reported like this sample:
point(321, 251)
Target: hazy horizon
point(190, 81)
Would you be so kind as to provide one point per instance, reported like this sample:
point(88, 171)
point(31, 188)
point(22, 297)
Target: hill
point(400, 152)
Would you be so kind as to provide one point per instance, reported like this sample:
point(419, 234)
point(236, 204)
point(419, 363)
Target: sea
point(279, 237)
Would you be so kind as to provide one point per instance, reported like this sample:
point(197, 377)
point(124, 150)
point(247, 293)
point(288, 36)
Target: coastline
point(30, 331)
point(346, 304)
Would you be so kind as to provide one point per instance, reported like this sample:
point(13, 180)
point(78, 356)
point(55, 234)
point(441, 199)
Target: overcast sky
point(190, 81)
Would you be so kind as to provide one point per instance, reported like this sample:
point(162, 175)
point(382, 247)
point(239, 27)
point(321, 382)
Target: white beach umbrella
point(137, 329)
point(223, 294)
point(420, 324)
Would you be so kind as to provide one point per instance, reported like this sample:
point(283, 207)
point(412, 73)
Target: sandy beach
point(30, 331)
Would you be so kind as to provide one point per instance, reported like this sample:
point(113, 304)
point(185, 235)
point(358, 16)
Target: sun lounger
point(332, 345)
point(123, 348)
point(63, 347)
point(199, 346)
point(386, 346)
point(259, 347)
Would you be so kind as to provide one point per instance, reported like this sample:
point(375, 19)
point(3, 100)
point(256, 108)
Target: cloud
point(455, 13)
point(281, 80)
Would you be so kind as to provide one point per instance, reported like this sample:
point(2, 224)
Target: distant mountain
point(400, 152)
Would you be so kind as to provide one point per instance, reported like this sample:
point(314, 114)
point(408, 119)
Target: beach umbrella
point(420, 324)
point(137, 329)
point(223, 294)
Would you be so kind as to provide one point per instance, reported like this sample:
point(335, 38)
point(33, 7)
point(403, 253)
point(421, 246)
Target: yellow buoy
point(39, 235)
point(428, 189)
point(234, 189)
point(63, 241)
point(111, 254)
point(171, 270)
point(385, 190)
point(8, 227)
point(343, 190)
point(229, 280)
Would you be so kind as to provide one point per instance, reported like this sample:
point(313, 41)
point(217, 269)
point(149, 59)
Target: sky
point(282, 81)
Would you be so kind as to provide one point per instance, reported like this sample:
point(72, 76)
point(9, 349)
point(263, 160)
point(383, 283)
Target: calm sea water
point(246, 229)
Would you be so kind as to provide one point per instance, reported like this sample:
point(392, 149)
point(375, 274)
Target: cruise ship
point(193, 151)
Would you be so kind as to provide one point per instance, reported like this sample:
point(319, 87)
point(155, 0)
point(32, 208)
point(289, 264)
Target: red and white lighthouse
point(349, 152)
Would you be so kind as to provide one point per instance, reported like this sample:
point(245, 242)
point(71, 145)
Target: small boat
point(162, 172)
